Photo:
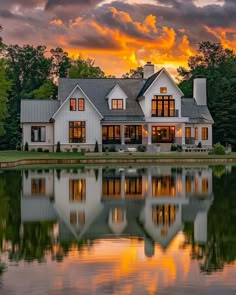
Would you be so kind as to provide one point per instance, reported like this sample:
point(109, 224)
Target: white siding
point(117, 93)
point(27, 134)
point(162, 81)
point(90, 115)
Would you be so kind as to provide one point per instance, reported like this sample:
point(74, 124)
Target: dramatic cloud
point(121, 35)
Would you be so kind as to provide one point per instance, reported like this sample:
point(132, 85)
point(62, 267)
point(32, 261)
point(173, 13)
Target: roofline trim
point(113, 89)
point(161, 71)
point(76, 86)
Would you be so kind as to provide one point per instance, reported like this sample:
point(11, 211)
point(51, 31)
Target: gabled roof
point(97, 91)
point(114, 88)
point(196, 113)
point(39, 111)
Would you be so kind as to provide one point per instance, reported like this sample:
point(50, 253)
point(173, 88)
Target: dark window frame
point(115, 104)
point(81, 107)
point(159, 102)
point(106, 139)
point(74, 127)
point(205, 133)
point(72, 107)
point(40, 134)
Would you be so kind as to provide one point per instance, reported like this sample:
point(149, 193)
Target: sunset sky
point(120, 35)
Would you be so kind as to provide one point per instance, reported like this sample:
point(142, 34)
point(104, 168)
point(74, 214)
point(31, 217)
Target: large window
point(111, 134)
point(72, 104)
point(77, 131)
point(38, 186)
point(163, 186)
point(163, 215)
point(204, 133)
point(133, 186)
point(77, 190)
point(163, 134)
point(38, 133)
point(81, 104)
point(117, 104)
point(133, 134)
point(163, 106)
point(111, 187)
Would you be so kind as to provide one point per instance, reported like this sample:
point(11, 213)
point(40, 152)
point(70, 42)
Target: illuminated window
point(72, 104)
point(204, 185)
point(163, 106)
point(196, 185)
point(38, 133)
point(163, 89)
point(188, 132)
point(117, 215)
point(111, 134)
point(204, 133)
point(163, 215)
point(73, 217)
point(163, 186)
point(81, 218)
point(38, 186)
point(77, 190)
point(117, 104)
point(111, 187)
point(133, 186)
point(196, 133)
point(81, 104)
point(76, 131)
point(188, 184)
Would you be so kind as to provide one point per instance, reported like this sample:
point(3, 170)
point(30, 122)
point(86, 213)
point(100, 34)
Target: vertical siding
point(27, 134)
point(89, 115)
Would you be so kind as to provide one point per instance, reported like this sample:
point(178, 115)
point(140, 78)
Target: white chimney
point(148, 70)
point(199, 91)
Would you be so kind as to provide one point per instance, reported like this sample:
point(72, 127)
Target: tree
point(61, 63)
point(218, 65)
point(85, 68)
point(134, 73)
point(4, 88)
point(47, 90)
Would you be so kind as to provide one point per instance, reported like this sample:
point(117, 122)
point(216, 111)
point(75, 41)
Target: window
point(73, 217)
point(81, 218)
point(111, 134)
point(81, 104)
point(38, 133)
point(38, 186)
point(163, 89)
point(188, 132)
point(77, 131)
point(196, 133)
point(204, 185)
point(133, 186)
point(117, 104)
point(163, 106)
point(204, 133)
point(163, 134)
point(163, 215)
point(163, 186)
point(133, 134)
point(111, 187)
point(72, 104)
point(77, 190)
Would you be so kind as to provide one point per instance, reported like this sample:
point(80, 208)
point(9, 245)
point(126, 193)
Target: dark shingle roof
point(97, 91)
point(148, 83)
point(33, 110)
point(196, 113)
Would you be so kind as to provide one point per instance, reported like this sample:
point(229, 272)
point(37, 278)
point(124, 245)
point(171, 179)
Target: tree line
point(31, 72)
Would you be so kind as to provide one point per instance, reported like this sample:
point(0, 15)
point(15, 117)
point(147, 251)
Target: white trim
point(169, 76)
point(113, 89)
point(69, 96)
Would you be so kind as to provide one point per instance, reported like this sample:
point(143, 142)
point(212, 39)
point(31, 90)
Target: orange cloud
point(57, 22)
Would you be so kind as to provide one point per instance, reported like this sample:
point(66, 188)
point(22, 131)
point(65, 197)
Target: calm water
point(124, 230)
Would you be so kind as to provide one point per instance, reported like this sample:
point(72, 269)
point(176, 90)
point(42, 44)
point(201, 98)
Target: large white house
point(119, 112)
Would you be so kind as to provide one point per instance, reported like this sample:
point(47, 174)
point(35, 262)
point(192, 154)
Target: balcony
point(171, 113)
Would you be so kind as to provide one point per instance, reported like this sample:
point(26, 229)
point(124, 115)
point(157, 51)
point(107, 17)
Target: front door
point(162, 134)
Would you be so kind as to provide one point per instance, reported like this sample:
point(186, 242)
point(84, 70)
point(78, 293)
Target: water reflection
point(125, 218)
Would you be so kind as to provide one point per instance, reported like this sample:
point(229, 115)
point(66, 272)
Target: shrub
point(32, 150)
point(218, 149)
point(82, 151)
point(67, 150)
point(173, 148)
point(18, 148)
point(141, 148)
point(179, 148)
point(75, 150)
point(112, 149)
point(46, 150)
point(39, 150)
point(26, 147)
point(96, 149)
point(58, 149)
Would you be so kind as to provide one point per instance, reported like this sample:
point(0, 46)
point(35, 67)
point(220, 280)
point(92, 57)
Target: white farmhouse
point(119, 112)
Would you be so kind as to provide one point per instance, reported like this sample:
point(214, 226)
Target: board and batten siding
point(90, 115)
point(162, 81)
point(26, 128)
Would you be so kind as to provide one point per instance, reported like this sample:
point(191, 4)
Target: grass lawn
point(6, 156)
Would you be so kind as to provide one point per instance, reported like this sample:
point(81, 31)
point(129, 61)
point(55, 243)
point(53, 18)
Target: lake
point(118, 230)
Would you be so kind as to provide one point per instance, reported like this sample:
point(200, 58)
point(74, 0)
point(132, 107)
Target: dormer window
point(163, 89)
point(81, 104)
point(117, 104)
point(73, 104)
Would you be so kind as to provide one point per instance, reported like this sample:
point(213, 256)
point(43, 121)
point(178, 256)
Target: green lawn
point(6, 156)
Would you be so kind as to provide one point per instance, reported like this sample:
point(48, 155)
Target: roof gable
point(151, 80)
point(117, 89)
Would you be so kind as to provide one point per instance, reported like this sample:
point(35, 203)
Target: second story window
point(163, 106)
point(117, 104)
point(163, 89)
point(73, 104)
point(81, 104)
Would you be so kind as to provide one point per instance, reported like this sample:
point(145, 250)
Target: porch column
point(149, 133)
point(122, 133)
point(123, 185)
point(183, 133)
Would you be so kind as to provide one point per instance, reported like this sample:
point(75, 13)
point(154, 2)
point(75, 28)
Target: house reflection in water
point(152, 203)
